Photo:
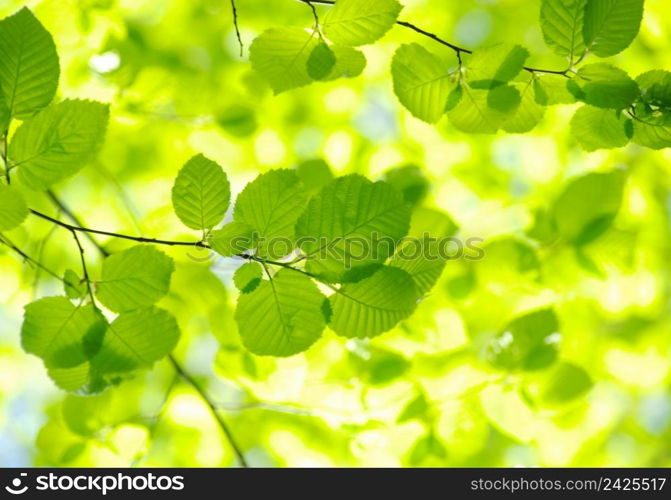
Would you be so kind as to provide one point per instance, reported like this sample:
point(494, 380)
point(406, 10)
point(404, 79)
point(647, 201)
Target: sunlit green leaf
point(604, 86)
point(282, 316)
point(74, 286)
point(552, 89)
point(421, 81)
point(56, 143)
point(360, 22)
point(373, 305)
point(134, 278)
point(29, 67)
point(597, 128)
point(232, 239)
point(528, 114)
point(588, 205)
point(562, 25)
point(59, 332)
point(248, 277)
point(136, 339)
point(13, 208)
point(201, 193)
point(280, 55)
point(350, 223)
point(611, 25)
point(270, 205)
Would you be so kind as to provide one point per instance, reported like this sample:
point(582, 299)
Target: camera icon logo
point(15, 488)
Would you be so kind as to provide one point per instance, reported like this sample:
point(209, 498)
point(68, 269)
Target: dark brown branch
point(237, 28)
point(213, 409)
point(139, 239)
point(85, 270)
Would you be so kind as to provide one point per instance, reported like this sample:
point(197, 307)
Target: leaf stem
point(213, 409)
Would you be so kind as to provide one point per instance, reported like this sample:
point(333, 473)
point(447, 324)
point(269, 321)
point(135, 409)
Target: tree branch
point(5, 241)
point(213, 409)
point(89, 289)
point(139, 239)
point(237, 28)
point(456, 48)
point(66, 210)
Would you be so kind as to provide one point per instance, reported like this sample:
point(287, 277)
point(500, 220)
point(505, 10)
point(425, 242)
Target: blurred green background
point(423, 394)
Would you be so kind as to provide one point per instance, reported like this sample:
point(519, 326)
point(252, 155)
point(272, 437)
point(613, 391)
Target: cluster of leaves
point(279, 313)
point(289, 293)
point(491, 89)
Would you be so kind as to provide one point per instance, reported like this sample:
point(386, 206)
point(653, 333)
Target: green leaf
point(560, 385)
point(423, 255)
point(504, 98)
point(280, 56)
point(373, 305)
point(494, 65)
point(408, 180)
point(596, 128)
point(314, 174)
point(421, 81)
point(81, 379)
point(562, 25)
point(528, 114)
point(652, 136)
point(59, 332)
point(28, 64)
point(248, 277)
point(604, 86)
point(136, 339)
point(281, 317)
point(351, 223)
point(415, 409)
point(652, 129)
point(56, 143)
point(74, 286)
point(321, 61)
point(611, 25)
point(349, 63)
point(135, 278)
point(656, 89)
point(201, 193)
point(4, 115)
point(473, 115)
point(13, 208)
point(552, 89)
point(360, 22)
point(232, 239)
point(270, 205)
point(238, 120)
point(529, 342)
point(588, 205)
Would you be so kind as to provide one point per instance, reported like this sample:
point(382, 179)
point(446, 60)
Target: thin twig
point(237, 28)
point(213, 409)
point(89, 289)
point(5, 241)
point(139, 239)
